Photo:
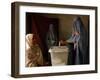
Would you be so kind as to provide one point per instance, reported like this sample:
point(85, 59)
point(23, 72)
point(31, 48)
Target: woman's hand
point(62, 43)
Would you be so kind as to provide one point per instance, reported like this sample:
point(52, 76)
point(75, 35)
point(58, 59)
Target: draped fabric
point(51, 38)
point(80, 41)
point(33, 56)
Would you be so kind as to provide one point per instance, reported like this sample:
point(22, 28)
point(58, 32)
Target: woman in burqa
point(79, 51)
point(51, 38)
point(33, 55)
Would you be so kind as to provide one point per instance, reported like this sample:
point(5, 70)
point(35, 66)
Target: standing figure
point(51, 38)
point(33, 55)
point(80, 52)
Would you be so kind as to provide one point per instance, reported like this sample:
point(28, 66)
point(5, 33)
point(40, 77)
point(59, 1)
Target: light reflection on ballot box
point(59, 55)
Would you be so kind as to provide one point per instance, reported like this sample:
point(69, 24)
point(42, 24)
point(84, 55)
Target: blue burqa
point(80, 52)
point(51, 38)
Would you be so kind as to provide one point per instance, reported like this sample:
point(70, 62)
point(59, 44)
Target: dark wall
point(39, 24)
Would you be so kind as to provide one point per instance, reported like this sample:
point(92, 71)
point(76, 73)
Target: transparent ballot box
point(59, 55)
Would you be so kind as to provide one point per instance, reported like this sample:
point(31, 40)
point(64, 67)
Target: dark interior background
point(38, 23)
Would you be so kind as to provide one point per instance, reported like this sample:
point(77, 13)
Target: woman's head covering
point(33, 52)
point(29, 42)
point(51, 38)
point(81, 45)
point(78, 26)
point(31, 39)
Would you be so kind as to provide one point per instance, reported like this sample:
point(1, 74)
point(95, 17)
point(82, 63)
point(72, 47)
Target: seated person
point(33, 55)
